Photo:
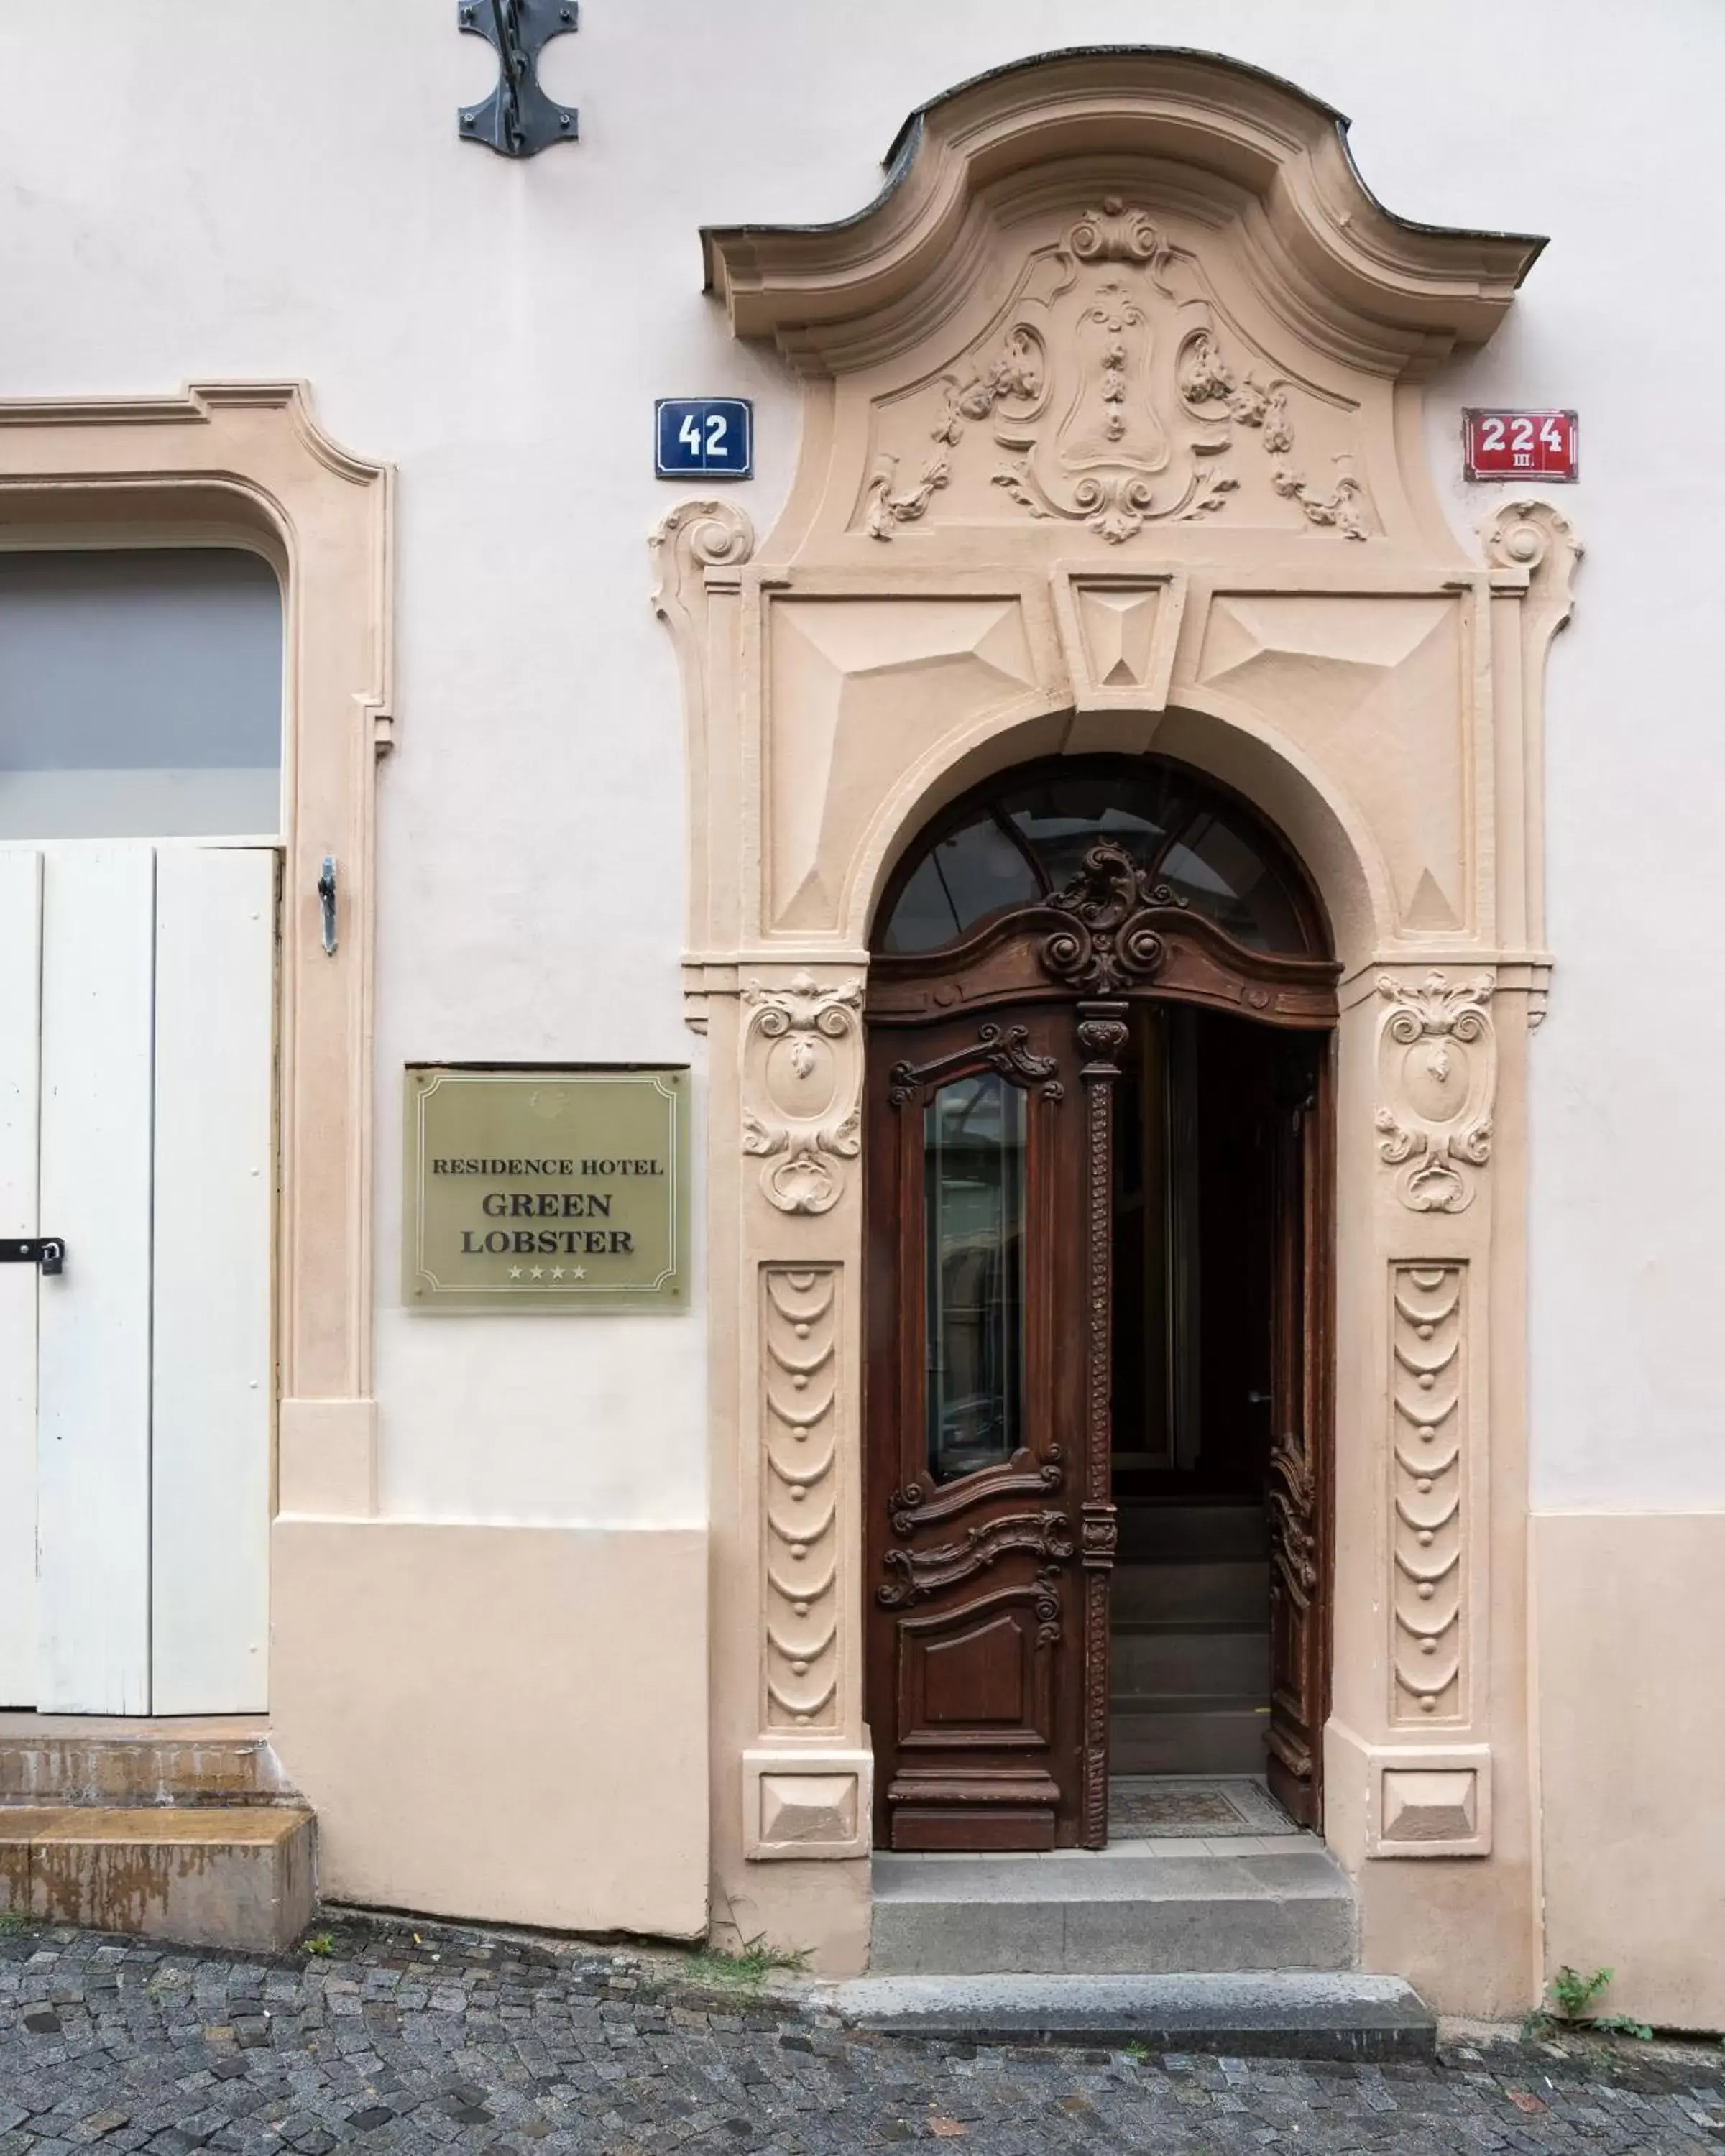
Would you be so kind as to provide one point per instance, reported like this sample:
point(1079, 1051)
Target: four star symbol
point(576, 1272)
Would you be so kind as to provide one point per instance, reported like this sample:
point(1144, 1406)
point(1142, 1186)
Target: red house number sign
point(1520, 444)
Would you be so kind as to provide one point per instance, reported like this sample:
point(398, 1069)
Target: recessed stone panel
point(1425, 1807)
point(817, 1808)
point(860, 690)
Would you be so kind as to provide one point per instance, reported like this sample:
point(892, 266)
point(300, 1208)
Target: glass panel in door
point(973, 1166)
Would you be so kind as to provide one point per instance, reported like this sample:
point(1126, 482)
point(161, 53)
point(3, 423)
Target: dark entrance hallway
point(1200, 1160)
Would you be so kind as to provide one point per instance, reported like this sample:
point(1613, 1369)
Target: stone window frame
point(244, 463)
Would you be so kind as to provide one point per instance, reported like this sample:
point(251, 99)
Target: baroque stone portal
point(1113, 435)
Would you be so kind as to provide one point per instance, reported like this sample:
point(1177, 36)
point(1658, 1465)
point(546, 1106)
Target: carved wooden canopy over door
point(974, 1412)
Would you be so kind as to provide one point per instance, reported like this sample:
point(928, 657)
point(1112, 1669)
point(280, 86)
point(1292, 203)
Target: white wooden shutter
point(20, 1067)
point(93, 1434)
point(213, 1220)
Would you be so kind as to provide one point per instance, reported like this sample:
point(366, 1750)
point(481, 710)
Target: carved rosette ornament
point(802, 1065)
point(1111, 393)
point(1437, 1069)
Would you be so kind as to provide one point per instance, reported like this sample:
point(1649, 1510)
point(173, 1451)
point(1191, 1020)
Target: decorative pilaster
point(697, 547)
point(1428, 1520)
point(1533, 554)
point(800, 1050)
point(799, 1495)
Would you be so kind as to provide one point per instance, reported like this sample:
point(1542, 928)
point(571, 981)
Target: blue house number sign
point(705, 437)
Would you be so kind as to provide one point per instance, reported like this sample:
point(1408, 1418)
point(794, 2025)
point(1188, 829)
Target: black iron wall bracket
point(518, 120)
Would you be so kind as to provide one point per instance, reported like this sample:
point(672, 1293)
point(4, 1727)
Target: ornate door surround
point(1113, 435)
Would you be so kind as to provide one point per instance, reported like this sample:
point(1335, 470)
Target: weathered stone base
point(1287, 2014)
point(227, 1876)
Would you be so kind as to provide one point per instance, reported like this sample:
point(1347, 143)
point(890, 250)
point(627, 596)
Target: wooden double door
point(137, 1115)
point(993, 1095)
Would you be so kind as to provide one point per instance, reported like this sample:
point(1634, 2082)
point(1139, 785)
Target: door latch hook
point(326, 894)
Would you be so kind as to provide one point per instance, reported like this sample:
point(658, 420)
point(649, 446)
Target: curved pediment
point(1234, 143)
point(1104, 291)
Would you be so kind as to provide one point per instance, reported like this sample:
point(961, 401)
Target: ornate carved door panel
point(1042, 917)
point(975, 1417)
point(1299, 1477)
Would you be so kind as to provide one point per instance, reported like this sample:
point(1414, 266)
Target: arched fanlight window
point(1023, 837)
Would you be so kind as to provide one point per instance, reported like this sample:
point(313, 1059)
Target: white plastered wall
point(285, 194)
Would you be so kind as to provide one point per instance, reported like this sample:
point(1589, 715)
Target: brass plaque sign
point(530, 1188)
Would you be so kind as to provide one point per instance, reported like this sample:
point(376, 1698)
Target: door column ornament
point(1102, 1036)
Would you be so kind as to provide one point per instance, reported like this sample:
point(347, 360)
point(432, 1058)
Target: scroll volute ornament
point(1112, 944)
point(802, 1068)
point(1437, 1071)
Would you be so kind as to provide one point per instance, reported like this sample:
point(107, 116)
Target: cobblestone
point(437, 2039)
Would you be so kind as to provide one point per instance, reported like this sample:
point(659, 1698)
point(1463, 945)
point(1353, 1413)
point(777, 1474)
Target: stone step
point(1111, 1912)
point(1224, 1591)
point(219, 1876)
point(1182, 1659)
point(1286, 2015)
point(56, 1760)
point(1194, 1534)
point(1220, 1735)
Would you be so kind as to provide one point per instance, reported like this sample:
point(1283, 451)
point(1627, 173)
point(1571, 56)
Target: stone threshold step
point(50, 1760)
point(1125, 1869)
point(1070, 1912)
point(225, 1876)
point(1187, 1702)
point(1287, 2014)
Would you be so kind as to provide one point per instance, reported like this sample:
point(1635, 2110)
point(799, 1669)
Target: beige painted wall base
point(327, 1459)
point(499, 1723)
point(1629, 1609)
point(820, 1909)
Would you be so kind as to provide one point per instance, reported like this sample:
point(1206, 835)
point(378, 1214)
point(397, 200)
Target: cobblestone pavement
point(465, 2041)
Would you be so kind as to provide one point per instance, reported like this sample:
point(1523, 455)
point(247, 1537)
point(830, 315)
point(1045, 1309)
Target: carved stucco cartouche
point(1109, 399)
point(1437, 1059)
point(803, 1090)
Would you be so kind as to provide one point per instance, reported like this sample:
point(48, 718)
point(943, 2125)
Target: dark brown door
point(1298, 1495)
point(975, 1411)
